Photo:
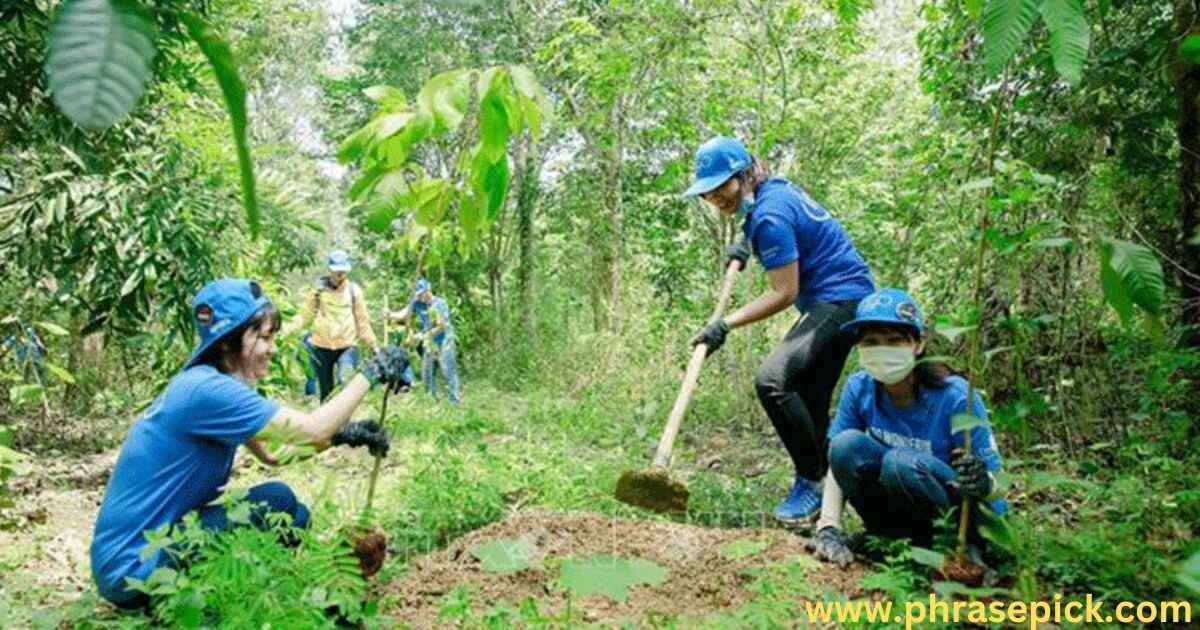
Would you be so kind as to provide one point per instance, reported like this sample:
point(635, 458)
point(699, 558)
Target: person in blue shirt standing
point(892, 452)
point(29, 352)
point(178, 456)
point(436, 338)
point(812, 265)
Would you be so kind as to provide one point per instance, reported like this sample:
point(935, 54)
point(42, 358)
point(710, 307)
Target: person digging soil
point(811, 264)
point(179, 455)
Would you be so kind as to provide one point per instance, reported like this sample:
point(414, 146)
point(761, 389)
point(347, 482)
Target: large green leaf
point(494, 179)
point(609, 575)
point(493, 126)
point(379, 218)
point(221, 58)
point(504, 556)
point(61, 373)
point(53, 329)
point(1070, 37)
point(446, 96)
point(927, 557)
point(386, 95)
point(21, 394)
point(1131, 276)
point(353, 146)
point(1189, 48)
point(535, 105)
point(965, 421)
point(395, 150)
point(1005, 25)
point(99, 60)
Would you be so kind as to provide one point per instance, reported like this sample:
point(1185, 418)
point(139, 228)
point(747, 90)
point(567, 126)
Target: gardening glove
point(388, 368)
point(366, 433)
point(739, 250)
point(972, 476)
point(712, 335)
point(830, 545)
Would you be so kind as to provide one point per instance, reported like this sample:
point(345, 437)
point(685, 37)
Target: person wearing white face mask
point(892, 453)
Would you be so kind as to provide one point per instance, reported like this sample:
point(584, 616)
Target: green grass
point(454, 470)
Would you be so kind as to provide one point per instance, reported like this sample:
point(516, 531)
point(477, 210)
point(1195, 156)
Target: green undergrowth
point(1114, 520)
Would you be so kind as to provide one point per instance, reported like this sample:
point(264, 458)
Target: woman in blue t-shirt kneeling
point(892, 452)
point(178, 456)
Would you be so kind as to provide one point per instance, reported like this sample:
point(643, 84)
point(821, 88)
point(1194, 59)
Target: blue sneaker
point(803, 503)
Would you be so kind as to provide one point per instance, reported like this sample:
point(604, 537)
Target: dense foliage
point(1029, 170)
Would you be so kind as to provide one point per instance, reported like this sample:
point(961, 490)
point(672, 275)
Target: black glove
point(972, 476)
point(712, 335)
point(738, 250)
point(366, 433)
point(830, 545)
point(388, 367)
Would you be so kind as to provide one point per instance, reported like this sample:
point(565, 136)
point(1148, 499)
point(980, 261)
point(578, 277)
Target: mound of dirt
point(700, 580)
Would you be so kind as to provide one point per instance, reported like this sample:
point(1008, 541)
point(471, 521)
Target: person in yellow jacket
point(337, 312)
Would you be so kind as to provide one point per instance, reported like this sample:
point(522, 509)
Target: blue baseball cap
point(421, 287)
point(716, 161)
point(339, 260)
point(220, 307)
point(887, 306)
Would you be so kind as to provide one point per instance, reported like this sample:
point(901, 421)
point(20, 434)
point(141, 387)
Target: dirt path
point(701, 580)
point(44, 548)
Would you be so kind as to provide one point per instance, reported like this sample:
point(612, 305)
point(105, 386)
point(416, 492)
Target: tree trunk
point(1186, 77)
point(615, 225)
point(528, 191)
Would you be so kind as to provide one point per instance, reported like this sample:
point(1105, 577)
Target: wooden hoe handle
point(663, 455)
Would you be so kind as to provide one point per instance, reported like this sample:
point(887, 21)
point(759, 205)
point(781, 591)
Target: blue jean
point(897, 491)
point(272, 497)
point(447, 363)
point(265, 498)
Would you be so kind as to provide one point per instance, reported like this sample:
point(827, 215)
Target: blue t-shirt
point(427, 320)
point(786, 225)
point(176, 458)
point(922, 426)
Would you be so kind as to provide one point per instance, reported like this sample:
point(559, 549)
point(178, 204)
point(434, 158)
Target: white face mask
point(887, 364)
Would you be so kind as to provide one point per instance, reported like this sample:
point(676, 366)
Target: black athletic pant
point(328, 361)
point(795, 384)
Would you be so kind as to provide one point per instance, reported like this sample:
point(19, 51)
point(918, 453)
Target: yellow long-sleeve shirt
point(338, 317)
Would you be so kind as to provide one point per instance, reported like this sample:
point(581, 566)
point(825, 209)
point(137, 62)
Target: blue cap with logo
point(716, 161)
point(420, 287)
point(339, 260)
point(887, 306)
point(221, 306)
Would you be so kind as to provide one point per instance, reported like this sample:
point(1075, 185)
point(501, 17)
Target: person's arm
point(832, 504)
point(361, 322)
point(260, 452)
point(400, 315)
point(785, 285)
point(304, 318)
point(315, 428)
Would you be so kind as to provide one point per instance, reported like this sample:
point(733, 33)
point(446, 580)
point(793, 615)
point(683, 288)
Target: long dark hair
point(228, 348)
point(930, 373)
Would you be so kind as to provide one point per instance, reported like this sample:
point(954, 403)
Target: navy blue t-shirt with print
point(176, 459)
point(786, 226)
point(922, 426)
